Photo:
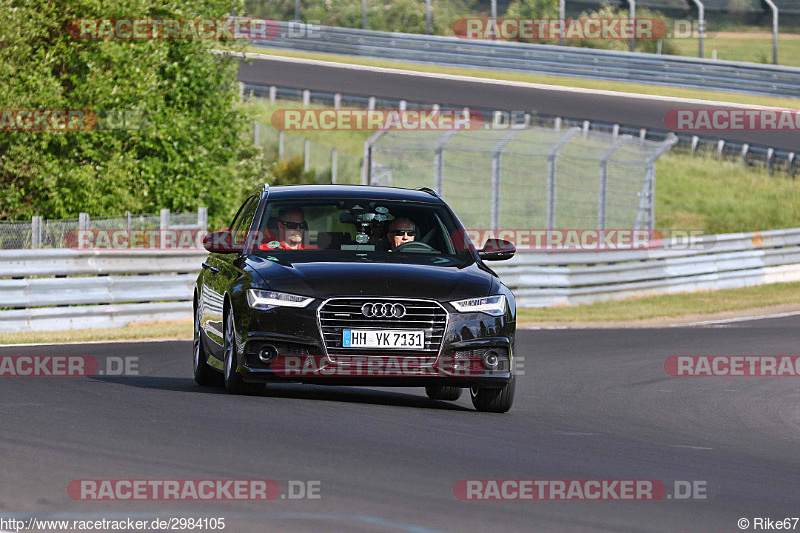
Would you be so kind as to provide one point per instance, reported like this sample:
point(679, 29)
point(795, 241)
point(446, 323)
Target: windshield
point(349, 229)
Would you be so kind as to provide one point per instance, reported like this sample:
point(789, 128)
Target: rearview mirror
point(222, 242)
point(497, 250)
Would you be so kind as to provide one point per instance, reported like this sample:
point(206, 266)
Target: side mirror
point(222, 242)
point(497, 250)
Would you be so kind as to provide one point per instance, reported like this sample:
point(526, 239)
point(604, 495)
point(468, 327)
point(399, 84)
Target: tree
point(190, 147)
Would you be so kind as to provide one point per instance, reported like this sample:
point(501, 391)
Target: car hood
point(329, 279)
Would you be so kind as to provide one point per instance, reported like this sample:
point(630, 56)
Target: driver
point(291, 227)
point(401, 231)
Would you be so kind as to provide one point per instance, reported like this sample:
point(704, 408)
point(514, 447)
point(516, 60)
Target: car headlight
point(264, 300)
point(491, 305)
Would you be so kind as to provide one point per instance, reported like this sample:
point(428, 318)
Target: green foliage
point(608, 11)
point(533, 9)
point(193, 149)
point(407, 16)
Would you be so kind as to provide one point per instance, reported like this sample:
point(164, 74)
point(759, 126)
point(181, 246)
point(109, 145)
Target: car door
point(219, 273)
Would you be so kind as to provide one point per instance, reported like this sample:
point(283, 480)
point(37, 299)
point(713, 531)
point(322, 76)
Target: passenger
point(292, 226)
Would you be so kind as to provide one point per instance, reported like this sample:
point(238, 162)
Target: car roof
point(296, 192)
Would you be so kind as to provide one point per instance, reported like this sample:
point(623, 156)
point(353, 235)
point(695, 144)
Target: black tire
point(204, 375)
point(233, 380)
point(443, 392)
point(494, 400)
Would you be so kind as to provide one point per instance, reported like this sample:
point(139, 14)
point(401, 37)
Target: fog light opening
point(267, 353)
point(491, 360)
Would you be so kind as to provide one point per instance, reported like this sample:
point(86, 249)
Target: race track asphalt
point(624, 109)
point(592, 404)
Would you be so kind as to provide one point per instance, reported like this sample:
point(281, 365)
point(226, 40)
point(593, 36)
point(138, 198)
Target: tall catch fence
point(529, 177)
point(59, 233)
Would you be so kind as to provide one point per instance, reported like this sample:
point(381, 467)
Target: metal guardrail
point(610, 65)
point(539, 278)
point(111, 288)
point(544, 278)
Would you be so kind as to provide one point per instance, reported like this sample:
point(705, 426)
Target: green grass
point(139, 331)
point(754, 47)
point(668, 306)
point(704, 193)
point(563, 81)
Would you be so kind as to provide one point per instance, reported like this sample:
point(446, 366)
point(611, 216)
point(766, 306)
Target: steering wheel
point(416, 247)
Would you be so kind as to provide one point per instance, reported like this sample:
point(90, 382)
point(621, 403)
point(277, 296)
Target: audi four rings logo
point(383, 310)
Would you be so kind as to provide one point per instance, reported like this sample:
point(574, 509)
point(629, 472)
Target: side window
point(244, 220)
point(237, 218)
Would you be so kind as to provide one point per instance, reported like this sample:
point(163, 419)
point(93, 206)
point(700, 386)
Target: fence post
point(83, 222)
point(280, 144)
point(163, 226)
point(603, 188)
point(337, 100)
point(256, 133)
point(366, 163)
point(647, 202)
point(306, 98)
point(202, 218)
point(551, 175)
point(371, 103)
point(497, 154)
point(438, 161)
point(334, 162)
point(36, 232)
point(306, 155)
point(272, 93)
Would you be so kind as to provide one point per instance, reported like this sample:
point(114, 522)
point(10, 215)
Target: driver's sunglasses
point(401, 232)
point(294, 225)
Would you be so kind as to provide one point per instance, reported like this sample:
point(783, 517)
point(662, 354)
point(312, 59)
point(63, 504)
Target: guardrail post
point(241, 91)
point(720, 147)
point(202, 218)
point(280, 144)
point(603, 188)
point(585, 127)
point(403, 105)
point(36, 232)
point(306, 155)
point(366, 163)
point(774, 9)
point(363, 14)
point(427, 17)
point(438, 159)
point(334, 162)
point(770, 159)
point(557, 123)
point(371, 103)
point(552, 152)
point(163, 226)
point(615, 130)
point(701, 23)
point(497, 154)
point(306, 98)
point(632, 18)
point(337, 100)
point(642, 134)
point(273, 92)
point(745, 149)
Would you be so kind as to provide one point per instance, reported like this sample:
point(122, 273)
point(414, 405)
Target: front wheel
point(204, 375)
point(493, 400)
point(233, 380)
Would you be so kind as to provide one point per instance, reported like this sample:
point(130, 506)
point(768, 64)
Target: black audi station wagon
point(354, 285)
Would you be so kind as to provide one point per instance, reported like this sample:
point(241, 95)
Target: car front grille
point(338, 314)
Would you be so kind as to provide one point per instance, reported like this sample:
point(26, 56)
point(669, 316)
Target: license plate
point(390, 338)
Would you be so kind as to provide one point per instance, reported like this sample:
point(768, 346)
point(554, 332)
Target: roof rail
point(429, 191)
